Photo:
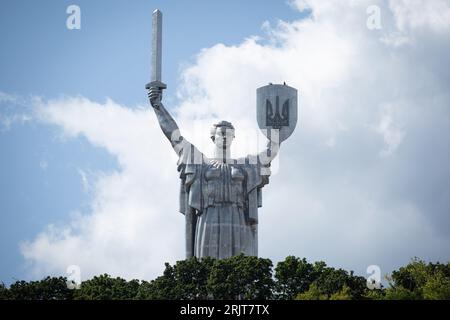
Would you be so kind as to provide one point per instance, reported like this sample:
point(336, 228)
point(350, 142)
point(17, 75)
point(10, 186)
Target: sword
point(156, 51)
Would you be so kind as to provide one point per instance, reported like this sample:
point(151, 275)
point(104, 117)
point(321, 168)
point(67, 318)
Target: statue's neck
point(222, 154)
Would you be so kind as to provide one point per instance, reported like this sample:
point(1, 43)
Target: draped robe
point(220, 202)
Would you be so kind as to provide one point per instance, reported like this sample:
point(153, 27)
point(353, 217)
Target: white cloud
point(12, 111)
point(5, 97)
point(84, 180)
point(6, 121)
point(128, 232)
point(333, 198)
point(420, 14)
point(391, 133)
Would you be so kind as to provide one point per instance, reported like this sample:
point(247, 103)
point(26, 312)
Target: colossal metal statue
point(220, 196)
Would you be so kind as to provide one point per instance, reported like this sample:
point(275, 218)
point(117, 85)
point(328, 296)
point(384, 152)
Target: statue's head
point(222, 134)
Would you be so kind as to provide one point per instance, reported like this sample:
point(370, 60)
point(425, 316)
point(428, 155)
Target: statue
point(220, 196)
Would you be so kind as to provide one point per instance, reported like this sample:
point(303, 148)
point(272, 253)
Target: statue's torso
point(224, 184)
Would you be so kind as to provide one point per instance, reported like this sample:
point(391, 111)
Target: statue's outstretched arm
point(168, 125)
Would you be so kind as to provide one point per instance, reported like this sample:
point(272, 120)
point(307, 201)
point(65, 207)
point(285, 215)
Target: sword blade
point(156, 45)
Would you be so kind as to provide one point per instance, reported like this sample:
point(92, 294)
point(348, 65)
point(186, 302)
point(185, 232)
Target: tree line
point(244, 277)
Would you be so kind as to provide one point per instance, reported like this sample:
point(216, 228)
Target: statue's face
point(224, 137)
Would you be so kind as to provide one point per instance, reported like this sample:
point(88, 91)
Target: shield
point(276, 109)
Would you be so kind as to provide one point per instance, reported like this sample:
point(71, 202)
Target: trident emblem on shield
point(275, 119)
point(276, 109)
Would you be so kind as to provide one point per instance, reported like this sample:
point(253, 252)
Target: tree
point(343, 294)
point(331, 281)
point(161, 288)
point(236, 277)
point(313, 293)
point(104, 287)
point(244, 277)
point(241, 277)
point(191, 277)
point(419, 280)
point(46, 289)
point(4, 293)
point(437, 287)
point(294, 276)
point(187, 279)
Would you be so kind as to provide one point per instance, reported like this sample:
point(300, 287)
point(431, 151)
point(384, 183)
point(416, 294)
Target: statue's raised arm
point(168, 125)
point(187, 153)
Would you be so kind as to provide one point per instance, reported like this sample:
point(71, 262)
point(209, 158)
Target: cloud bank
point(363, 180)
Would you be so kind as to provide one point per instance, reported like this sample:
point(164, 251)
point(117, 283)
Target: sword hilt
point(158, 84)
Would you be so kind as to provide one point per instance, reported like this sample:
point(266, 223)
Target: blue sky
point(364, 179)
point(108, 57)
point(113, 43)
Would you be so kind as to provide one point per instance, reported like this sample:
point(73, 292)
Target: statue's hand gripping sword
point(156, 52)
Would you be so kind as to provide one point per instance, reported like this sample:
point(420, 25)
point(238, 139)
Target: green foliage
point(375, 294)
point(419, 280)
point(187, 279)
point(400, 293)
point(191, 277)
point(4, 293)
point(236, 277)
point(294, 275)
point(313, 293)
point(437, 287)
point(300, 279)
point(316, 293)
point(46, 289)
point(332, 281)
point(344, 294)
point(106, 288)
point(243, 277)
point(162, 288)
